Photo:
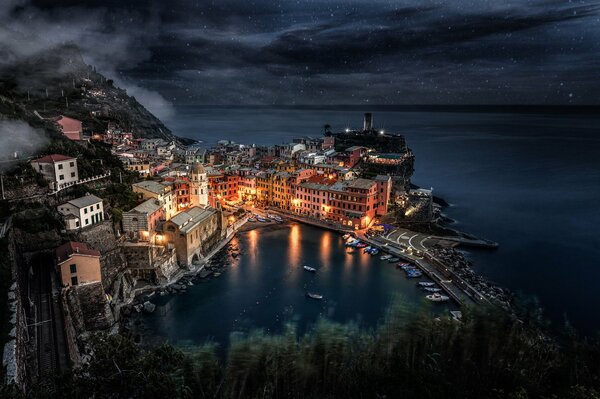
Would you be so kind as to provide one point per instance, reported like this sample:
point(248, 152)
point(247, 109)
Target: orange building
point(351, 203)
point(77, 264)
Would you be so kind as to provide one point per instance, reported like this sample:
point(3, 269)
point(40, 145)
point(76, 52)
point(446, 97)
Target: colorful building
point(77, 264)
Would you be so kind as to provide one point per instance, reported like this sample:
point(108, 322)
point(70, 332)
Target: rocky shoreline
point(463, 268)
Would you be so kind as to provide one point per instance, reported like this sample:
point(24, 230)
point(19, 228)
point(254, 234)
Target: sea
point(529, 181)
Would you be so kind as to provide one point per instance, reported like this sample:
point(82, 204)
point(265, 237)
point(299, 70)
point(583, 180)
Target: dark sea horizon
point(530, 181)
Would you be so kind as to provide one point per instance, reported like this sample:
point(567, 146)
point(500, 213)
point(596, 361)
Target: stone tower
point(198, 185)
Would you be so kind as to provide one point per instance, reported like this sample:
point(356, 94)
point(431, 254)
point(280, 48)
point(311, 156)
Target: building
point(198, 186)
point(193, 233)
point(82, 212)
point(351, 203)
point(290, 149)
point(151, 144)
point(140, 223)
point(384, 190)
point(59, 170)
point(71, 128)
point(195, 154)
point(77, 264)
point(151, 189)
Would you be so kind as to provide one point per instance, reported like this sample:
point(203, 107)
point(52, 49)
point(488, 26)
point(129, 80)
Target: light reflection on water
point(266, 286)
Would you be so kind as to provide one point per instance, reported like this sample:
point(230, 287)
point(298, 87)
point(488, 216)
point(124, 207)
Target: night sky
point(325, 52)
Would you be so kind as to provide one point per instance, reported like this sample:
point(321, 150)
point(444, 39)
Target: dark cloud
point(264, 51)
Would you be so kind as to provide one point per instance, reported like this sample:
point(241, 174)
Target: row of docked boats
point(435, 292)
point(258, 218)
point(356, 243)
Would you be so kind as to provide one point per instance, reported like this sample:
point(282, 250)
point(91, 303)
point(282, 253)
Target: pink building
point(384, 189)
point(72, 128)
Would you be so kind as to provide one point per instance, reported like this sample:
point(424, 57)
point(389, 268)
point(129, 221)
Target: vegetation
point(410, 355)
point(5, 282)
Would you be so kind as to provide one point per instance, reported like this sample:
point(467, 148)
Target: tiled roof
point(84, 201)
point(152, 186)
point(53, 158)
point(189, 219)
point(148, 206)
point(65, 251)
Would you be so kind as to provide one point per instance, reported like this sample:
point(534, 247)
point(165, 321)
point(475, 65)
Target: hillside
point(58, 82)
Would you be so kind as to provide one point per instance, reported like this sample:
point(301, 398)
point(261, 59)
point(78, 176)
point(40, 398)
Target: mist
point(110, 45)
point(17, 137)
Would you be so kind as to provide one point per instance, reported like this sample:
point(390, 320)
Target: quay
point(452, 284)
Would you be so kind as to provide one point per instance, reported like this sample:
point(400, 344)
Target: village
point(186, 204)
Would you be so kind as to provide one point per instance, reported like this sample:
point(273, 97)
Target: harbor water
point(265, 285)
point(530, 182)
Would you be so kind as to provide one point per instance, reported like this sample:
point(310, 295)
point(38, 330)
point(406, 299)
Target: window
point(84, 210)
point(72, 174)
point(86, 221)
point(73, 268)
point(60, 166)
point(97, 206)
point(61, 177)
point(74, 280)
point(71, 164)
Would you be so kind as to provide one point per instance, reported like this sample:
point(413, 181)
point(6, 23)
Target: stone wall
point(102, 238)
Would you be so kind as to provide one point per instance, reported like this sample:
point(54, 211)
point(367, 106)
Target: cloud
point(361, 51)
point(109, 41)
point(20, 138)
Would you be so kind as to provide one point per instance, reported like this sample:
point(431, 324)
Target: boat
point(352, 243)
point(277, 219)
point(263, 220)
point(402, 264)
point(374, 251)
point(408, 267)
point(425, 283)
point(393, 260)
point(361, 245)
point(346, 236)
point(385, 257)
point(437, 297)
point(414, 274)
point(310, 269)
point(367, 250)
point(251, 220)
point(314, 296)
point(432, 289)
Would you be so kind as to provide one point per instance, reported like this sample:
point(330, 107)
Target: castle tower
point(198, 185)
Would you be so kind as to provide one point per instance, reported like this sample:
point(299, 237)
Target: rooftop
point(65, 251)
point(152, 186)
point(84, 201)
point(53, 158)
point(149, 206)
point(187, 220)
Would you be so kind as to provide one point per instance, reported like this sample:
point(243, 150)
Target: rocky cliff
point(58, 82)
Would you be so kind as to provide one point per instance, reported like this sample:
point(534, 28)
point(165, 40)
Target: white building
point(199, 185)
point(290, 149)
point(151, 189)
point(82, 212)
point(56, 168)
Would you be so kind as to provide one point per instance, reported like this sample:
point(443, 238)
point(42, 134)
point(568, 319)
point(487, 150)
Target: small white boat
point(437, 297)
point(432, 289)
point(314, 296)
point(426, 283)
point(385, 257)
point(346, 236)
point(310, 269)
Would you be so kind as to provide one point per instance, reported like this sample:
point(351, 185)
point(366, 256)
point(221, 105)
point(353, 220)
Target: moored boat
point(393, 260)
point(314, 296)
point(310, 269)
point(437, 297)
point(367, 250)
point(251, 220)
point(426, 283)
point(385, 257)
point(374, 251)
point(432, 289)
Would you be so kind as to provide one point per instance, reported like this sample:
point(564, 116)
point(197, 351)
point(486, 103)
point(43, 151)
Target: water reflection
point(294, 245)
